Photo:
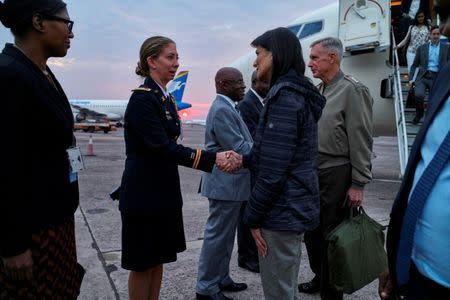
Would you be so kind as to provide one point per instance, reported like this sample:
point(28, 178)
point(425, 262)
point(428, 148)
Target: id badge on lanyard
point(76, 162)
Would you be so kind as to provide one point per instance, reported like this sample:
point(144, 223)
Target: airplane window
point(294, 28)
point(310, 29)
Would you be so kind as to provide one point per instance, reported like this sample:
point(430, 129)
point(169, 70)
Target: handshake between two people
point(229, 161)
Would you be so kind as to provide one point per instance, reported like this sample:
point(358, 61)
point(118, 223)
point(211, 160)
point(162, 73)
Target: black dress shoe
point(234, 287)
point(218, 296)
point(250, 266)
point(310, 287)
point(416, 120)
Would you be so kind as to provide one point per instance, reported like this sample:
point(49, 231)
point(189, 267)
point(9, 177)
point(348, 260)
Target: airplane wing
point(88, 112)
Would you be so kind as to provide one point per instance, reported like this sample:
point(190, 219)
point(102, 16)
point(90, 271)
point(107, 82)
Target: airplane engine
point(80, 117)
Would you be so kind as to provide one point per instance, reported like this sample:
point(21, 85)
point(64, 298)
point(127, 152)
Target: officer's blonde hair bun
point(151, 47)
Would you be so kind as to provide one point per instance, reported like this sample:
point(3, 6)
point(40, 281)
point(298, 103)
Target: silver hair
point(331, 44)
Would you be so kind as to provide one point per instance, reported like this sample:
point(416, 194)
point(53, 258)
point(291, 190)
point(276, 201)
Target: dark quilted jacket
point(285, 194)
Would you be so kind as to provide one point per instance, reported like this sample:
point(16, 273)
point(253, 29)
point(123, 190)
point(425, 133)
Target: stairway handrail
point(402, 136)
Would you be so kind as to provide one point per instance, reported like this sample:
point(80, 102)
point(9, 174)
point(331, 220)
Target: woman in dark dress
point(39, 191)
point(150, 196)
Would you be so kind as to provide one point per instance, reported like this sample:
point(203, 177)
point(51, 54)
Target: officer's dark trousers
point(420, 87)
point(247, 251)
point(334, 183)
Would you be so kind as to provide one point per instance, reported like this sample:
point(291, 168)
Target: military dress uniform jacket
point(150, 182)
point(36, 192)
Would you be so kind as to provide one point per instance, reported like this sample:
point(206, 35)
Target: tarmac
point(98, 223)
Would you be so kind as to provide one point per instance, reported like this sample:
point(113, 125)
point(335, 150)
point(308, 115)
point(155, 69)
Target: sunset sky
point(209, 34)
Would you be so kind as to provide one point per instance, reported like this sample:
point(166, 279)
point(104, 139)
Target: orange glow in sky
point(199, 110)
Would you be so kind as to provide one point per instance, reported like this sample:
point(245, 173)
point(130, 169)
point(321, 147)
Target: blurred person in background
point(39, 185)
point(430, 58)
point(416, 36)
point(418, 237)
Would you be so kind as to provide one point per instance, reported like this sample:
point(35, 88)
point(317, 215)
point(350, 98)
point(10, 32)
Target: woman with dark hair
point(284, 202)
point(416, 36)
point(39, 186)
point(150, 196)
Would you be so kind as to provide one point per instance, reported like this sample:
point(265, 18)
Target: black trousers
point(420, 87)
point(247, 251)
point(334, 183)
point(423, 288)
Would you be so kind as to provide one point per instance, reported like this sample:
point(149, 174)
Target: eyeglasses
point(69, 23)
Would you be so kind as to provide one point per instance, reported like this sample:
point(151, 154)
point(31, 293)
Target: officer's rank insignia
point(142, 89)
point(168, 115)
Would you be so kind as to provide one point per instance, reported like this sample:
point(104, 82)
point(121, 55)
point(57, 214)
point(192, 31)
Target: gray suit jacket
point(225, 130)
point(421, 59)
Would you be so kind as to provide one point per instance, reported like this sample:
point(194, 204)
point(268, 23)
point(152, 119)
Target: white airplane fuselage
point(369, 68)
point(113, 109)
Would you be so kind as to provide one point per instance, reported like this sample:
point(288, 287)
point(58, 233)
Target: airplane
point(201, 122)
point(364, 27)
point(114, 110)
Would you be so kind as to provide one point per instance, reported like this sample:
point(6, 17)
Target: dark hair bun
point(140, 71)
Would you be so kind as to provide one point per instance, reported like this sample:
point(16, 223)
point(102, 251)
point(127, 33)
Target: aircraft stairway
point(406, 130)
point(411, 129)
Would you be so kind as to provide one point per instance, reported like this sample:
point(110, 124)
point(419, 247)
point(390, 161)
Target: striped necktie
point(415, 207)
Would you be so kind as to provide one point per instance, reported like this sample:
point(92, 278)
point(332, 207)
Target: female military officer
point(150, 197)
point(39, 189)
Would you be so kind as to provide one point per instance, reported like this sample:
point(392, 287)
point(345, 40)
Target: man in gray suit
point(225, 130)
point(430, 58)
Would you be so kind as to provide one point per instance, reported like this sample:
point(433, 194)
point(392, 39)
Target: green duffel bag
point(356, 254)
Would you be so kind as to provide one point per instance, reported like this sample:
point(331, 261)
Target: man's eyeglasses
point(69, 23)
